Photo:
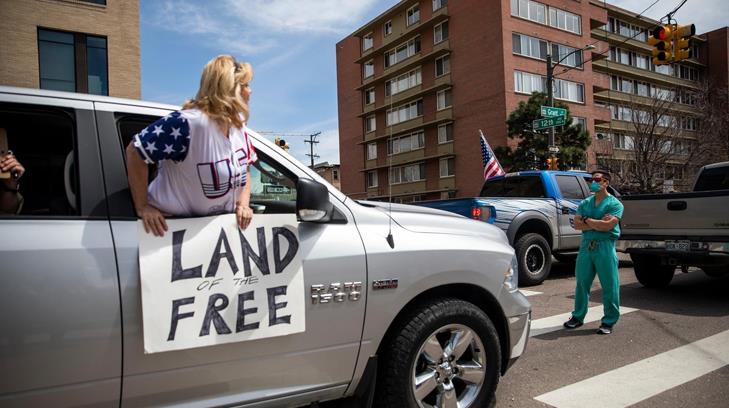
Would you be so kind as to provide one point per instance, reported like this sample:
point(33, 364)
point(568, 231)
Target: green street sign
point(550, 112)
point(548, 122)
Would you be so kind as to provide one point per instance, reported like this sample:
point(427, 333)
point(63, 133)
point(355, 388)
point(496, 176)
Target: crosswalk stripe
point(643, 379)
point(554, 323)
point(529, 292)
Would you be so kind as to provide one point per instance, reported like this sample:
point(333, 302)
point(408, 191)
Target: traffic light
point(552, 163)
point(282, 143)
point(660, 39)
point(682, 41)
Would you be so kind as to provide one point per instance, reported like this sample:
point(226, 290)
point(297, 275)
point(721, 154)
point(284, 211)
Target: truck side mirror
point(312, 201)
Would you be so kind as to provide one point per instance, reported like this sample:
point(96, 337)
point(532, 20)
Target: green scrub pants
point(600, 258)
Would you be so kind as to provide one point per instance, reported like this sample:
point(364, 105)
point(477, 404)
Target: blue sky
point(291, 45)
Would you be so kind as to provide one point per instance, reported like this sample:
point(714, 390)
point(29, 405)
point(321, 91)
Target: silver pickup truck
point(438, 320)
point(665, 231)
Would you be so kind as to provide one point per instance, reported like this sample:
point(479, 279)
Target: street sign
point(553, 149)
point(548, 122)
point(551, 112)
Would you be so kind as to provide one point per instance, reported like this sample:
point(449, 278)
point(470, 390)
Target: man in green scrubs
point(598, 218)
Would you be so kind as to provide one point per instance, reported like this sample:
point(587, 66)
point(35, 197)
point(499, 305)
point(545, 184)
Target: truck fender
point(523, 218)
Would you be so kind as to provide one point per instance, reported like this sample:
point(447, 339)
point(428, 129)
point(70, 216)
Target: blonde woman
point(203, 152)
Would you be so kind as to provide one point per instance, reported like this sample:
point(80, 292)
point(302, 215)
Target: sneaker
point(572, 323)
point(605, 329)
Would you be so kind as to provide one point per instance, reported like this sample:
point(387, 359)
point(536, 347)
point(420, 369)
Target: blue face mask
point(595, 187)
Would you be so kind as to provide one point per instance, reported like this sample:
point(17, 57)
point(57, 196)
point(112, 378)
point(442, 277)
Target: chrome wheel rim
point(449, 369)
point(535, 258)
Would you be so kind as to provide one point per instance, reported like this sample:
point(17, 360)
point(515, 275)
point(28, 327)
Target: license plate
point(678, 245)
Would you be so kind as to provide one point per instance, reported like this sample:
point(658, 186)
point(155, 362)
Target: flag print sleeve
point(252, 156)
point(166, 139)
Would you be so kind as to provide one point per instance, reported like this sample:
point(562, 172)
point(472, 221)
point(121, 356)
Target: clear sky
point(291, 45)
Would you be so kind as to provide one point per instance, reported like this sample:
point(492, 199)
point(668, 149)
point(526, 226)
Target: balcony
point(630, 99)
point(602, 147)
point(438, 50)
point(407, 96)
point(444, 116)
point(629, 71)
point(403, 159)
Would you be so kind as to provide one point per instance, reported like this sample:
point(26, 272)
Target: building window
point(371, 179)
point(405, 112)
point(684, 72)
point(387, 28)
point(441, 32)
point(560, 51)
point(413, 15)
point(527, 83)
point(403, 82)
point(578, 121)
point(564, 20)
point(335, 174)
point(445, 133)
point(407, 174)
point(447, 167)
point(442, 65)
point(57, 57)
point(437, 4)
point(368, 68)
point(528, 46)
point(371, 151)
point(402, 52)
point(413, 141)
point(370, 123)
point(621, 141)
point(569, 91)
point(369, 96)
point(531, 10)
point(445, 99)
point(642, 89)
point(367, 42)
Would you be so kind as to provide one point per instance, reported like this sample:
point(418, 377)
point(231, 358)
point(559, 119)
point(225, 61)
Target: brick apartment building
point(88, 46)
point(329, 172)
point(417, 82)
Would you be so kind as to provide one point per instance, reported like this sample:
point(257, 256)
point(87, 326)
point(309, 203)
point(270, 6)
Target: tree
point(712, 102)
point(532, 150)
point(657, 149)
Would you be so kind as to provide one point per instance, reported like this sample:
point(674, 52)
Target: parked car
point(439, 292)
point(536, 209)
point(663, 231)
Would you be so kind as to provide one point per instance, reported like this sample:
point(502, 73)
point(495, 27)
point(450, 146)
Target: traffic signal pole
point(550, 99)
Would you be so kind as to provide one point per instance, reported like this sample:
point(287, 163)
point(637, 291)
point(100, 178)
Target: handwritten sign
point(206, 282)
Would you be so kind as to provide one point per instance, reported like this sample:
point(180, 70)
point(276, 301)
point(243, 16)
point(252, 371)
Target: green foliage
point(532, 150)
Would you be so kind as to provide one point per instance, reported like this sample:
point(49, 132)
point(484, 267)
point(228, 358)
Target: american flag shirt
point(200, 171)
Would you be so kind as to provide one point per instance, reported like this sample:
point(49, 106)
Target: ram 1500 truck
point(437, 315)
point(536, 209)
point(663, 231)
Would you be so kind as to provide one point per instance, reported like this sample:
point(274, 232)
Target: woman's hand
point(10, 163)
point(153, 219)
point(243, 215)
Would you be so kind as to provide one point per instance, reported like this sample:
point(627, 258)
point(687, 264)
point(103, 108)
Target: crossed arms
point(586, 224)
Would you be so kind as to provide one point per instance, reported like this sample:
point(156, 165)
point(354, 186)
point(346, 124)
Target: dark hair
point(605, 174)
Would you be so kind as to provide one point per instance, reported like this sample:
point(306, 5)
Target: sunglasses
point(597, 179)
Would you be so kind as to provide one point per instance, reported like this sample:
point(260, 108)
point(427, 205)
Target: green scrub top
point(609, 205)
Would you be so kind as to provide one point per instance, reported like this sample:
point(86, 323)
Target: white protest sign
point(206, 282)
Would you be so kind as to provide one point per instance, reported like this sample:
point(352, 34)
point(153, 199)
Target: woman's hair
point(219, 95)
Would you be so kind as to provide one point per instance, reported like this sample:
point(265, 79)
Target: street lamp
point(550, 90)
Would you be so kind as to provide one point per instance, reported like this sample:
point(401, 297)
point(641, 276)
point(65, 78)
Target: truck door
point(318, 362)
point(60, 341)
point(571, 194)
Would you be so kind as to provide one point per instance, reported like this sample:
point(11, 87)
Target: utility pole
point(312, 141)
point(550, 99)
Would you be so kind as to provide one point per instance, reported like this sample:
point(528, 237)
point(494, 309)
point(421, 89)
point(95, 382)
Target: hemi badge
point(384, 284)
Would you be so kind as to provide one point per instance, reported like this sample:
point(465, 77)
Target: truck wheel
point(565, 258)
point(446, 353)
point(535, 259)
point(650, 272)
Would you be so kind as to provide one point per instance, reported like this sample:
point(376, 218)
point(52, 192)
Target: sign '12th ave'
point(206, 282)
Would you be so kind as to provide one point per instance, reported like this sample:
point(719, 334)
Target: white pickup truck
point(663, 231)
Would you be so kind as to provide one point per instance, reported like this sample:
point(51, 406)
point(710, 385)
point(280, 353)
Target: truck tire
point(445, 348)
point(534, 257)
point(650, 272)
point(565, 258)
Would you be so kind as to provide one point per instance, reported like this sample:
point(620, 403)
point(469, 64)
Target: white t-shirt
point(201, 172)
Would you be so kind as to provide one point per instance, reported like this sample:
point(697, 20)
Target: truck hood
point(430, 220)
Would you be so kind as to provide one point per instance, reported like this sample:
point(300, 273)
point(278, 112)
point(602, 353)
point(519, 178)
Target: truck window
point(272, 187)
point(716, 178)
point(516, 186)
point(42, 140)
point(570, 187)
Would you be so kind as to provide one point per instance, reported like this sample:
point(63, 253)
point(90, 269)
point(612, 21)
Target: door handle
point(677, 205)
point(565, 210)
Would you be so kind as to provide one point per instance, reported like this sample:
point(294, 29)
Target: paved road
point(671, 348)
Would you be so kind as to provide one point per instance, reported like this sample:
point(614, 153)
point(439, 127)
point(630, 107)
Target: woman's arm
point(243, 212)
point(138, 173)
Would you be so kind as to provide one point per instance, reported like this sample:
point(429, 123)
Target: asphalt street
point(669, 350)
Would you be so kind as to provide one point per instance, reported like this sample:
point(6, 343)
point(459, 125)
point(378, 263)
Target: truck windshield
point(716, 178)
point(516, 186)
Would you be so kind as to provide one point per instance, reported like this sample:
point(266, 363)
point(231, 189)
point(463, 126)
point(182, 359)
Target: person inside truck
point(598, 217)
point(203, 152)
point(11, 201)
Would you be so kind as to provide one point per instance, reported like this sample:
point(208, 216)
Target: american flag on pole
point(491, 166)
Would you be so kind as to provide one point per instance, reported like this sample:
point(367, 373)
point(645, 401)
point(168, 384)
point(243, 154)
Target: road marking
point(554, 323)
point(529, 292)
point(643, 379)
